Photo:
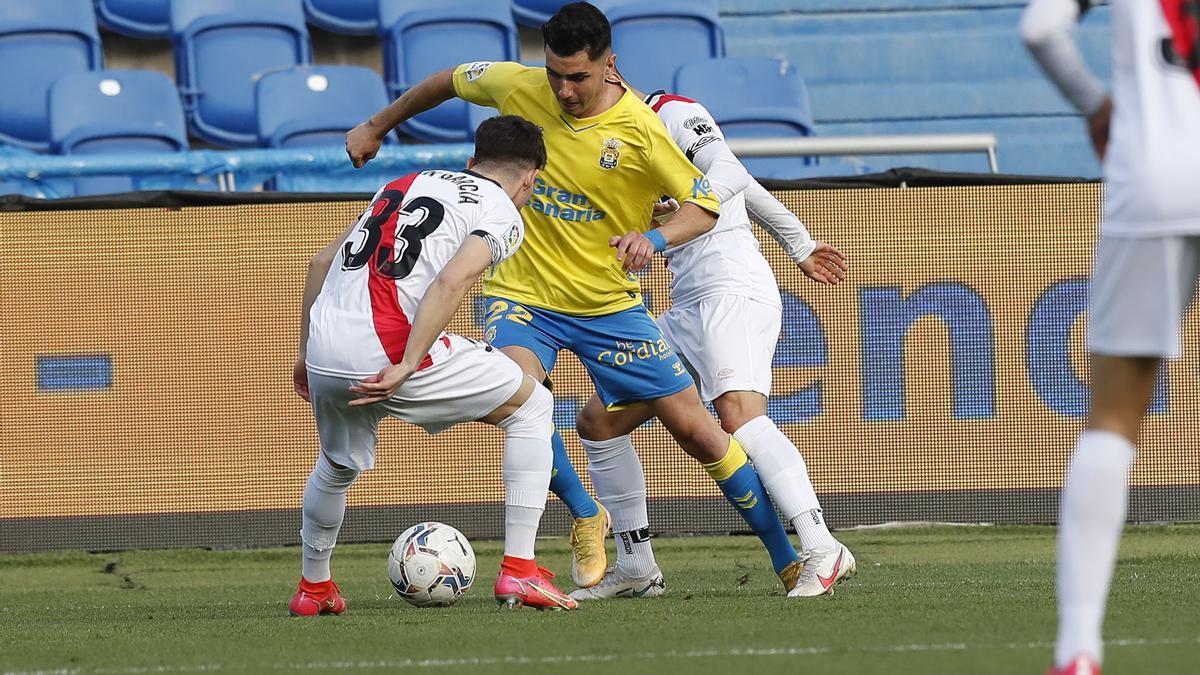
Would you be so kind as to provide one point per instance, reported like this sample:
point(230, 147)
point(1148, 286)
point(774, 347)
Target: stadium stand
point(925, 66)
point(420, 39)
point(136, 18)
point(752, 97)
point(40, 42)
point(652, 40)
point(313, 106)
point(221, 47)
point(348, 17)
point(533, 13)
point(115, 111)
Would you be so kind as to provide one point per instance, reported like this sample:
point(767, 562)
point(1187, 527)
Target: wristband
point(656, 237)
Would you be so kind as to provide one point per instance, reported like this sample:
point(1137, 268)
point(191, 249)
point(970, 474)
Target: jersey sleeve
point(486, 83)
point(697, 134)
point(676, 176)
point(1047, 28)
point(503, 231)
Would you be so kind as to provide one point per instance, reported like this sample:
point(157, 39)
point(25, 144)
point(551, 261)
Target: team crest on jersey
point(477, 69)
point(611, 153)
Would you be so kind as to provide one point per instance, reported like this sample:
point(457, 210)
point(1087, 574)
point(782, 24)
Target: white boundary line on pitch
point(592, 658)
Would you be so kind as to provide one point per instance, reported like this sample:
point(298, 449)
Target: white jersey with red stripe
point(360, 322)
point(726, 260)
point(1153, 158)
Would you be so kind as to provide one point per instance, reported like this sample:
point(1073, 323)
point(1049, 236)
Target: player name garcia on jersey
point(468, 187)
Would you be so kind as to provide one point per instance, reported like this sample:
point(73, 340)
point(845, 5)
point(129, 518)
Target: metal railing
point(825, 146)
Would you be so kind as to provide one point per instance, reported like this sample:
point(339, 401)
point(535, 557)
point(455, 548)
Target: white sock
point(785, 476)
point(620, 486)
point(323, 511)
point(1089, 530)
point(527, 463)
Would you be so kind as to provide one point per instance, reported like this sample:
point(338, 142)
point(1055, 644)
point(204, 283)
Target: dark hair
point(576, 27)
point(512, 140)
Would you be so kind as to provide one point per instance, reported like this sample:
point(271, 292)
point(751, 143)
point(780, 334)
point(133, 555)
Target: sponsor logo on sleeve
point(477, 69)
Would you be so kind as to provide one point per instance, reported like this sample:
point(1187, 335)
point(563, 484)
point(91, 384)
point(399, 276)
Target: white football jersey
point(1153, 157)
point(360, 322)
point(726, 260)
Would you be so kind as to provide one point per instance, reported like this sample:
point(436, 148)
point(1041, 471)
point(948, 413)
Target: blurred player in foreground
point(1143, 276)
point(377, 301)
point(724, 320)
point(610, 159)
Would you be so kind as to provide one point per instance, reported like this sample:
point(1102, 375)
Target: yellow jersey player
point(609, 161)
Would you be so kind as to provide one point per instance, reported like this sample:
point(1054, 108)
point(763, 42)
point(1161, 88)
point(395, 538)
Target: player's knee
point(592, 423)
point(732, 422)
point(705, 443)
point(331, 476)
point(533, 417)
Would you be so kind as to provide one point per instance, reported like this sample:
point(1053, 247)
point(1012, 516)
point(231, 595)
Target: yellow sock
point(734, 459)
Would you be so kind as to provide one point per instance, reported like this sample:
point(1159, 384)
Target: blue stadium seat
point(115, 111)
point(40, 42)
point(534, 13)
point(752, 98)
point(136, 18)
point(314, 106)
point(653, 39)
point(348, 17)
point(221, 47)
point(420, 39)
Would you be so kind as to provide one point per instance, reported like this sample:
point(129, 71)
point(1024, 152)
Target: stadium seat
point(752, 98)
point(348, 17)
point(653, 39)
point(221, 47)
point(136, 18)
point(314, 106)
point(420, 40)
point(40, 42)
point(115, 111)
point(534, 13)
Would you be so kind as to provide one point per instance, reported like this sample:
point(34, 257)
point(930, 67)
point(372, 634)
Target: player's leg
point(727, 464)
point(620, 485)
point(529, 337)
point(475, 381)
point(629, 361)
point(527, 419)
point(1139, 291)
point(347, 447)
point(729, 343)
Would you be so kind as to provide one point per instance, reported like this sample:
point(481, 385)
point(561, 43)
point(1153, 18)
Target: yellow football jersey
point(602, 177)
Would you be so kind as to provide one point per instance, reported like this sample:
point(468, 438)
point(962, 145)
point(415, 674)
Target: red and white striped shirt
point(360, 322)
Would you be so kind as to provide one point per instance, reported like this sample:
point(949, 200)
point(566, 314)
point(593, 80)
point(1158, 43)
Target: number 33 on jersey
point(414, 225)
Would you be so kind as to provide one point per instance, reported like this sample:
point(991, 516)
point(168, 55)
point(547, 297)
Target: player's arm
point(677, 178)
point(818, 260)
point(1047, 28)
point(318, 269)
point(482, 83)
point(437, 307)
point(363, 141)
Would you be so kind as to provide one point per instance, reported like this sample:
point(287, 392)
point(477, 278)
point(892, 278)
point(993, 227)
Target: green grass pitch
point(926, 600)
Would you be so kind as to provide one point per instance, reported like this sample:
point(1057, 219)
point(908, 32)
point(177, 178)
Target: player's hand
point(664, 210)
point(634, 250)
point(300, 378)
point(382, 385)
point(362, 144)
point(825, 265)
point(1098, 124)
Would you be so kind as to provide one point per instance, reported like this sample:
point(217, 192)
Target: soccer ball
point(431, 565)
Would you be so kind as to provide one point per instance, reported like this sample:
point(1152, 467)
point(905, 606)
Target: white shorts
point(1139, 293)
point(471, 381)
point(727, 343)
